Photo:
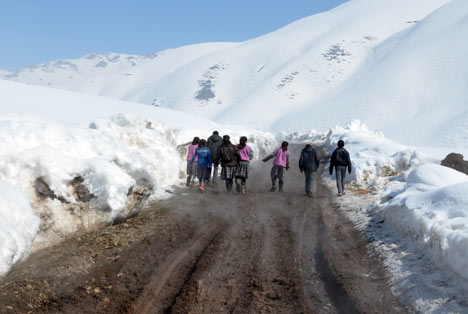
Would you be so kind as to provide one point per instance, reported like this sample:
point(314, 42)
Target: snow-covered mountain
point(112, 74)
point(397, 65)
point(4, 72)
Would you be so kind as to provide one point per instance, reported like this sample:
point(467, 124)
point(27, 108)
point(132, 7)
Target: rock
point(456, 161)
point(81, 190)
point(43, 190)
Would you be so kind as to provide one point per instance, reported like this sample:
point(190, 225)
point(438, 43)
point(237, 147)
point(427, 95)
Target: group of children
point(205, 156)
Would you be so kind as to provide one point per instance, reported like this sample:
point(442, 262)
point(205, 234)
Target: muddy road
point(263, 252)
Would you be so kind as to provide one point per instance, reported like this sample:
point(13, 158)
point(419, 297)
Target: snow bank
point(18, 226)
point(73, 177)
point(433, 209)
point(376, 159)
point(58, 179)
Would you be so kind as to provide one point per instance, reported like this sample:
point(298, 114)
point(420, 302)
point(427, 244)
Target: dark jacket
point(228, 155)
point(308, 161)
point(340, 157)
point(214, 141)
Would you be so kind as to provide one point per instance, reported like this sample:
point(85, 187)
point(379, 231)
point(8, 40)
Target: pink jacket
point(191, 151)
point(281, 158)
point(246, 153)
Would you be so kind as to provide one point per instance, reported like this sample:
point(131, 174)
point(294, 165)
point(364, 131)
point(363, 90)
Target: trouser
point(277, 172)
point(229, 183)
point(340, 172)
point(240, 184)
point(310, 181)
point(215, 173)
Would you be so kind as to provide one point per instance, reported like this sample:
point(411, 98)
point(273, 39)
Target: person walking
point(203, 155)
point(229, 156)
point(280, 165)
point(192, 166)
point(242, 171)
point(214, 141)
point(340, 160)
point(308, 164)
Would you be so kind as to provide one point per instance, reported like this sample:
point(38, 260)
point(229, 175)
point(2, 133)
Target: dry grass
point(359, 190)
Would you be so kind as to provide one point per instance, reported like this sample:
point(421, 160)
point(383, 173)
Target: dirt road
point(211, 253)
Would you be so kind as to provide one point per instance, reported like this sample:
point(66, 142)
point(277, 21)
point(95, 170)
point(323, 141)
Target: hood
point(216, 138)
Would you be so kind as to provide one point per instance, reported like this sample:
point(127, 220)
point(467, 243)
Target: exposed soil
point(211, 252)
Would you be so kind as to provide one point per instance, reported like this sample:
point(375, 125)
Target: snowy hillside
point(113, 75)
point(412, 86)
point(4, 72)
point(396, 65)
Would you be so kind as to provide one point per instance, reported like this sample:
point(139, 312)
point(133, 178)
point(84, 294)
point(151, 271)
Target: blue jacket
point(204, 157)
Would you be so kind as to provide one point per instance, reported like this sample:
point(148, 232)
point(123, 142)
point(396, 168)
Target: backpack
point(226, 155)
point(341, 157)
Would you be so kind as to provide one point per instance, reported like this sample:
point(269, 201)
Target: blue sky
point(35, 31)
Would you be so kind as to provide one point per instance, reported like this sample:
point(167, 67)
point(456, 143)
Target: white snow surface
point(18, 225)
point(55, 142)
point(396, 65)
point(433, 209)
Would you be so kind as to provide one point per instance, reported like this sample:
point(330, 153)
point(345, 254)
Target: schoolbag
point(226, 155)
point(341, 156)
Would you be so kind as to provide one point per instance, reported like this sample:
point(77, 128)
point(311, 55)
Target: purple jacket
point(246, 153)
point(191, 151)
point(281, 157)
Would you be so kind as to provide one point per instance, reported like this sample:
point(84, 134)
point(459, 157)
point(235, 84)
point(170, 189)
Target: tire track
point(153, 298)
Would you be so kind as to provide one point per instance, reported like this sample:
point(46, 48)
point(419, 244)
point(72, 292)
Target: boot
point(192, 184)
point(188, 181)
point(280, 186)
point(273, 188)
point(229, 187)
point(243, 188)
point(238, 186)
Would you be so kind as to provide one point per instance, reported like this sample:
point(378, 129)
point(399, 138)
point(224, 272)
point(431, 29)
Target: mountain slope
point(71, 108)
point(412, 86)
point(395, 65)
point(112, 74)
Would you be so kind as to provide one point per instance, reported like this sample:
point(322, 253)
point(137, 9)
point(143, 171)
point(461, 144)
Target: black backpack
point(341, 156)
point(226, 155)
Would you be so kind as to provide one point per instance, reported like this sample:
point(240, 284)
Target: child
point(242, 171)
point(229, 156)
point(204, 163)
point(280, 165)
point(214, 141)
point(309, 163)
point(340, 160)
point(192, 166)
